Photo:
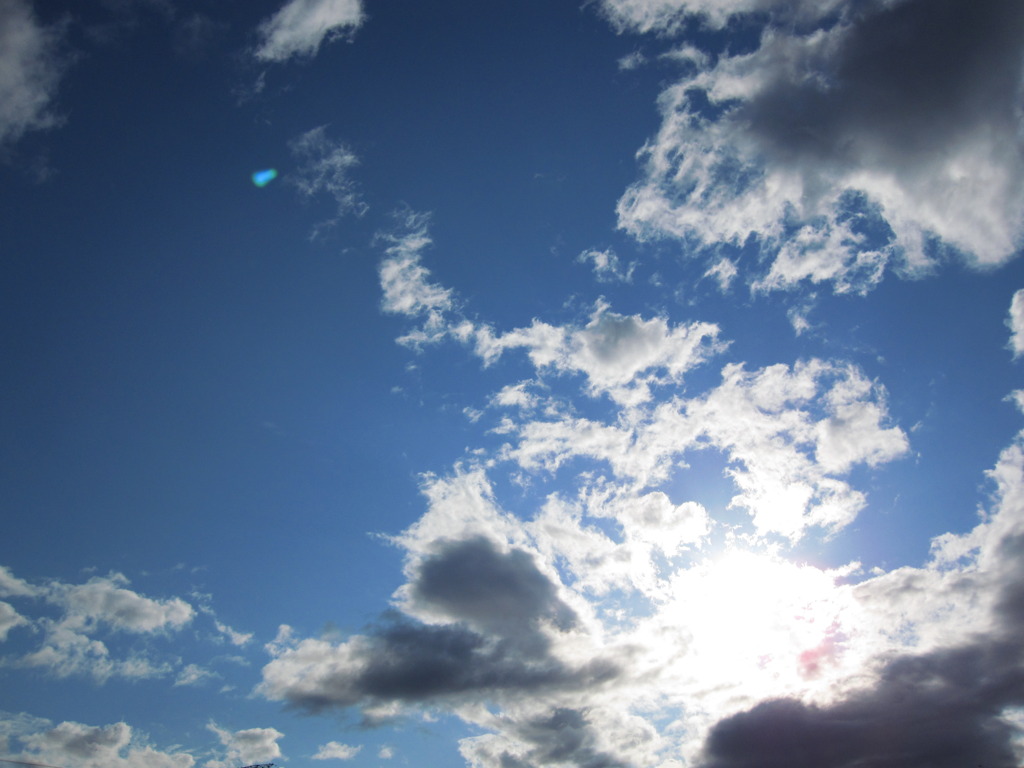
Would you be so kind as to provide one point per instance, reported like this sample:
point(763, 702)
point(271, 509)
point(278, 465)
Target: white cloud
point(823, 252)
point(1016, 323)
point(810, 148)
point(66, 651)
point(386, 753)
point(102, 607)
point(70, 743)
point(106, 600)
point(12, 586)
point(723, 271)
point(607, 266)
point(334, 750)
point(247, 746)
point(9, 619)
point(667, 16)
point(515, 396)
point(631, 61)
point(193, 674)
point(236, 638)
point(786, 460)
point(30, 70)
point(1017, 398)
point(301, 26)
point(621, 356)
point(799, 315)
point(406, 282)
point(653, 519)
point(765, 422)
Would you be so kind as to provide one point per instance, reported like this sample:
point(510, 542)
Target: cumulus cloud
point(105, 599)
point(496, 592)
point(30, 70)
point(786, 460)
point(489, 630)
point(621, 356)
point(93, 614)
point(66, 651)
point(563, 736)
point(334, 750)
point(479, 622)
point(247, 746)
point(404, 664)
point(846, 148)
point(35, 740)
point(300, 27)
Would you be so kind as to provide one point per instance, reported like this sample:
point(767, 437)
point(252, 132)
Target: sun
point(758, 621)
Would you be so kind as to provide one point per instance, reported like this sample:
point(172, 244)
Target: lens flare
point(262, 178)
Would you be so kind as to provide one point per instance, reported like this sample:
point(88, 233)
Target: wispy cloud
point(608, 268)
point(193, 674)
point(408, 289)
point(30, 70)
point(325, 167)
point(668, 16)
point(300, 27)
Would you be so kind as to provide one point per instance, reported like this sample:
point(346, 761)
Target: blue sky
point(627, 383)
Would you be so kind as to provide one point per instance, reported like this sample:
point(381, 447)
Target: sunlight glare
point(759, 620)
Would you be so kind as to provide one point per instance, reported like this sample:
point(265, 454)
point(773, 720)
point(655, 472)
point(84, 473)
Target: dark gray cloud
point(901, 82)
point(564, 737)
point(408, 663)
point(497, 592)
point(941, 710)
point(498, 609)
point(1010, 603)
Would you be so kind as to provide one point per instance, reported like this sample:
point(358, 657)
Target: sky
point(606, 384)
